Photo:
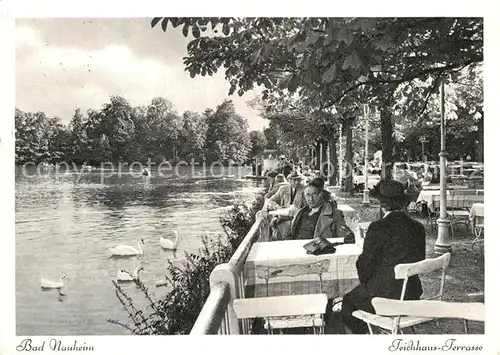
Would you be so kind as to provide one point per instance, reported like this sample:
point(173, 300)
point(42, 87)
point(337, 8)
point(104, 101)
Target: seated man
point(290, 194)
point(320, 218)
point(279, 181)
point(286, 196)
point(392, 240)
point(327, 196)
point(271, 175)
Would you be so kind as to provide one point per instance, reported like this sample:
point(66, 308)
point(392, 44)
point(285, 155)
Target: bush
point(177, 312)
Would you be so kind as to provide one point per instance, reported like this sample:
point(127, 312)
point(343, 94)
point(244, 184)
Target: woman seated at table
point(320, 218)
point(392, 240)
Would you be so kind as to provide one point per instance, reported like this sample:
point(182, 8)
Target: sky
point(62, 64)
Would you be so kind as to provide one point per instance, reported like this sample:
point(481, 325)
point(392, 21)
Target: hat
point(389, 190)
point(272, 174)
point(318, 183)
point(294, 175)
point(282, 157)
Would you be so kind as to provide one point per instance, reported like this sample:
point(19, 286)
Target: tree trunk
point(332, 140)
point(387, 142)
point(317, 148)
point(480, 138)
point(349, 156)
point(324, 159)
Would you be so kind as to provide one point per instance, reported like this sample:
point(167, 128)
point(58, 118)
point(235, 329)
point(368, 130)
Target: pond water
point(66, 221)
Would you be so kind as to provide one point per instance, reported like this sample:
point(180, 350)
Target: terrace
point(239, 278)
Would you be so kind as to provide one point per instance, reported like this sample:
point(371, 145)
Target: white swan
point(49, 284)
point(166, 243)
point(123, 275)
point(127, 250)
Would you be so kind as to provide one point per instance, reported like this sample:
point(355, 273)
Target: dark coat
point(390, 241)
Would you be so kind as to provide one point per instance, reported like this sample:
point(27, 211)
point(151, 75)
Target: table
point(341, 277)
point(348, 211)
point(426, 196)
point(477, 217)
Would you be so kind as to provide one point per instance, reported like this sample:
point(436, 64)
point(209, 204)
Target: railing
point(227, 282)
point(212, 315)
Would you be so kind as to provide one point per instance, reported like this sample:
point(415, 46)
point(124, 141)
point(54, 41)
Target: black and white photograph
point(274, 175)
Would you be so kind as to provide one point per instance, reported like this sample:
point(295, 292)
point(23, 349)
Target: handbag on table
point(320, 247)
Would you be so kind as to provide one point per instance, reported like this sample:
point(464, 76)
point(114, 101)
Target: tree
point(258, 141)
point(193, 135)
point(78, 138)
point(326, 60)
point(227, 136)
point(464, 120)
point(164, 127)
point(39, 138)
point(271, 134)
point(117, 126)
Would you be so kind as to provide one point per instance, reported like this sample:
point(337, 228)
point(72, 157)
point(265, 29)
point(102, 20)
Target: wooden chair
point(403, 272)
point(427, 309)
point(473, 297)
point(477, 231)
point(294, 311)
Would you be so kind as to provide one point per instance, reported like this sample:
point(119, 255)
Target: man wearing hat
point(394, 239)
point(290, 194)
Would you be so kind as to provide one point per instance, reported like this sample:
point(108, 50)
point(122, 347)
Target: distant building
point(269, 158)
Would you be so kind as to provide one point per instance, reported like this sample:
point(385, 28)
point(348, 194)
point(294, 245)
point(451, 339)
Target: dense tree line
point(119, 132)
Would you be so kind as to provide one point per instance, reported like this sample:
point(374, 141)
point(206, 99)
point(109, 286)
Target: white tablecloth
point(477, 213)
point(426, 195)
point(341, 277)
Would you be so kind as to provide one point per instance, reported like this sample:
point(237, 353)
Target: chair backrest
point(459, 201)
point(474, 311)
point(268, 272)
point(404, 271)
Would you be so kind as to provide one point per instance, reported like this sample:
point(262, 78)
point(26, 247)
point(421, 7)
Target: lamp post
point(443, 242)
point(366, 199)
point(341, 160)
